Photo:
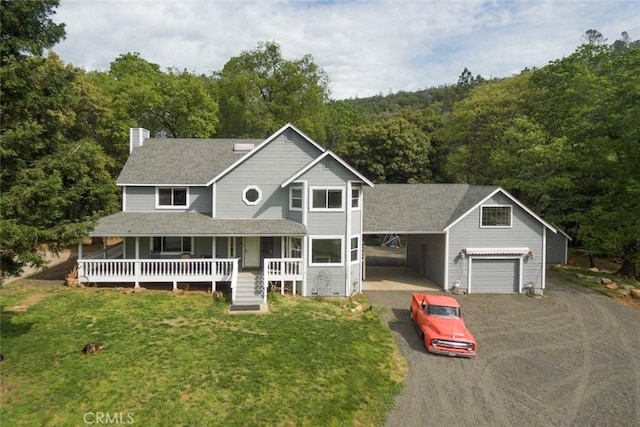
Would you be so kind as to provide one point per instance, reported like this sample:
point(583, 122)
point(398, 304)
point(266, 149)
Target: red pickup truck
point(440, 325)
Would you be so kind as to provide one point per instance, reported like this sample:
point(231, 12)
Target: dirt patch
point(26, 303)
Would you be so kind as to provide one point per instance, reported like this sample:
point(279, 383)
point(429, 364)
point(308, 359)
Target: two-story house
point(247, 214)
point(253, 215)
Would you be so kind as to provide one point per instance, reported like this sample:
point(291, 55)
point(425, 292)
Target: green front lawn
point(182, 360)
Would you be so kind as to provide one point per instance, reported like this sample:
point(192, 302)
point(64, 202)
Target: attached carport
point(421, 212)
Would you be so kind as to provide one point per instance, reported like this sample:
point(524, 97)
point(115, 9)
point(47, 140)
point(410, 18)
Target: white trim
point(172, 206)
point(497, 206)
point(260, 146)
point(326, 264)
point(327, 188)
point(319, 159)
point(124, 199)
point(244, 195)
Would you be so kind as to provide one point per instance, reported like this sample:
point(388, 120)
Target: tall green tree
point(27, 29)
point(176, 104)
point(391, 151)
point(594, 98)
point(260, 91)
point(55, 177)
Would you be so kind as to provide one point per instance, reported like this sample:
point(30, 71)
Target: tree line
point(563, 138)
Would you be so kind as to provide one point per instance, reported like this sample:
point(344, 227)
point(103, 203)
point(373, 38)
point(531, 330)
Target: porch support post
point(175, 285)
point(137, 266)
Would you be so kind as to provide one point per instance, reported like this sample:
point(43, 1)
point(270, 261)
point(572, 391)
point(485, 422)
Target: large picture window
point(172, 197)
point(326, 199)
point(176, 245)
point(326, 250)
point(496, 216)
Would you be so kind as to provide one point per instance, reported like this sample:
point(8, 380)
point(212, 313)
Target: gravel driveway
point(571, 358)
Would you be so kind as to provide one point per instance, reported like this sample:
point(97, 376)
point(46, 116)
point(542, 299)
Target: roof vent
point(243, 147)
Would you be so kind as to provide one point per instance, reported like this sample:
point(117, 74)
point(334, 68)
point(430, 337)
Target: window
point(326, 250)
point(354, 248)
point(171, 244)
point(355, 198)
point(295, 247)
point(251, 195)
point(171, 198)
point(496, 216)
point(326, 199)
point(295, 198)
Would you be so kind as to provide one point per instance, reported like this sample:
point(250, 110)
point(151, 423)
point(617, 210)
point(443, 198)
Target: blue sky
point(366, 47)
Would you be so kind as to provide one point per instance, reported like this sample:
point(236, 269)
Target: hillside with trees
point(564, 138)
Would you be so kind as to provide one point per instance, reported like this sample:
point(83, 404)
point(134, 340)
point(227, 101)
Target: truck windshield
point(441, 310)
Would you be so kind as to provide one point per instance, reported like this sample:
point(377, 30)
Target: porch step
point(249, 288)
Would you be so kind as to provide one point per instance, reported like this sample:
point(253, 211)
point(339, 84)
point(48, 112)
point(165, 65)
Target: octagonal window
point(251, 195)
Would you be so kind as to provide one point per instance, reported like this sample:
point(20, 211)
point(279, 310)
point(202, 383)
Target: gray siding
point(143, 199)
point(525, 231)
point(556, 248)
point(140, 199)
point(425, 254)
point(326, 281)
point(266, 169)
point(200, 199)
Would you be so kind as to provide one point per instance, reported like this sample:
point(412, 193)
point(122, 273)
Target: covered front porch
point(247, 264)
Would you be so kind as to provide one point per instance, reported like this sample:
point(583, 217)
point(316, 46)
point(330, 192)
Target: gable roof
point(317, 160)
point(418, 208)
point(426, 208)
point(514, 200)
point(180, 161)
point(261, 146)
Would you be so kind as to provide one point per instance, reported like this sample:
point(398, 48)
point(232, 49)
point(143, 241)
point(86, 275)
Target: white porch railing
point(281, 270)
point(157, 270)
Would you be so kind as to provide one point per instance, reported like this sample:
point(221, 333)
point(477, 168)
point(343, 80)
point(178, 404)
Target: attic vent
point(243, 147)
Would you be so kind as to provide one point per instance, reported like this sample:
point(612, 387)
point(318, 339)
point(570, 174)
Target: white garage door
point(494, 275)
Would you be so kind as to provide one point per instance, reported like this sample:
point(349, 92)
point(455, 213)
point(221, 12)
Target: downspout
point(305, 238)
point(347, 251)
point(446, 261)
point(544, 256)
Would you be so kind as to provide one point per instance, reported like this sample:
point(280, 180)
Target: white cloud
point(366, 47)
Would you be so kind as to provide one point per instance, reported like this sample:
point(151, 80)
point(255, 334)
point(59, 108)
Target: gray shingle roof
point(418, 208)
point(180, 161)
point(124, 224)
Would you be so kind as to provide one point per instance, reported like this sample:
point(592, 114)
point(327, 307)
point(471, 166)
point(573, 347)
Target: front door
point(251, 252)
